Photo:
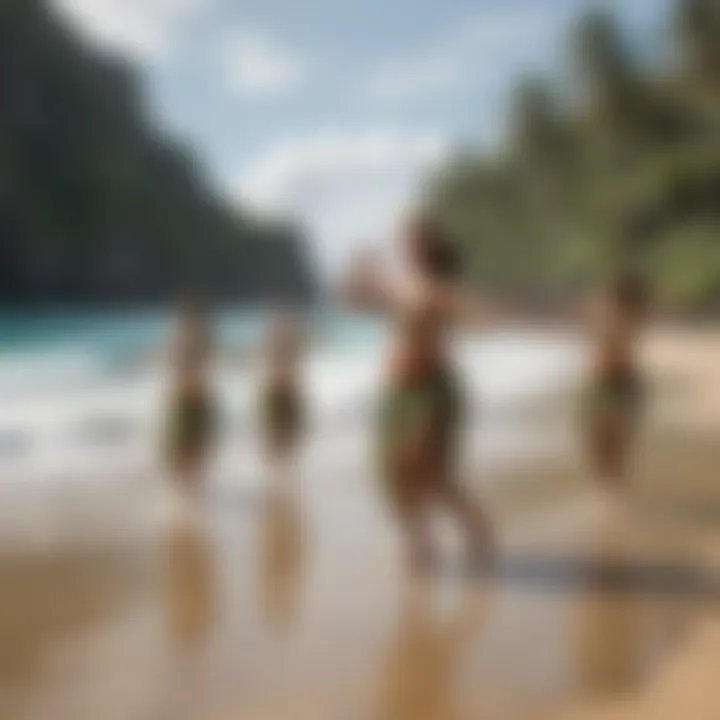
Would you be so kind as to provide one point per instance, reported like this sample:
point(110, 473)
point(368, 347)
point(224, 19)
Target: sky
point(332, 111)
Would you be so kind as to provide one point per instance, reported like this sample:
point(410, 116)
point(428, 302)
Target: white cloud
point(256, 64)
point(474, 52)
point(344, 186)
point(416, 77)
point(493, 30)
point(146, 28)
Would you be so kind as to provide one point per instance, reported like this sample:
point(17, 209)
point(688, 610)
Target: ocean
point(81, 393)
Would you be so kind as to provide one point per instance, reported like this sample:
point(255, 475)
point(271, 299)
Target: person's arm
point(575, 315)
point(364, 288)
point(583, 313)
point(466, 308)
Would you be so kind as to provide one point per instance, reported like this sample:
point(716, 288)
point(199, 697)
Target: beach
point(295, 605)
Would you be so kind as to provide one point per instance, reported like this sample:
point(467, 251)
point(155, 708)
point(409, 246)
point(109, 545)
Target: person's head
point(428, 249)
point(191, 313)
point(627, 292)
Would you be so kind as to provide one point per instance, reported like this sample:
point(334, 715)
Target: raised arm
point(364, 287)
point(466, 308)
point(582, 312)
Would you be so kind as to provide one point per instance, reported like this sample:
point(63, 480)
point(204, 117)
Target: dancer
point(421, 409)
point(191, 417)
point(282, 407)
point(615, 391)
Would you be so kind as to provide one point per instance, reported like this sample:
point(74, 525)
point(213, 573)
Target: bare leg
point(415, 514)
point(470, 515)
point(611, 435)
point(413, 494)
point(610, 443)
point(281, 454)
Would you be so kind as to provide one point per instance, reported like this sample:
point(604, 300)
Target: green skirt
point(191, 425)
point(431, 404)
point(624, 393)
point(282, 417)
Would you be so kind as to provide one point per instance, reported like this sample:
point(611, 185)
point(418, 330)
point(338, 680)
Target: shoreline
point(684, 365)
point(259, 602)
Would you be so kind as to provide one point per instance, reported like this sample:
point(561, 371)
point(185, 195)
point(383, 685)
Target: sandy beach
point(294, 606)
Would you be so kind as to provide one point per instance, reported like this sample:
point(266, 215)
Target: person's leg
point(470, 515)
point(601, 447)
point(413, 494)
point(623, 444)
point(192, 442)
point(429, 483)
point(282, 430)
point(444, 449)
point(598, 423)
point(611, 434)
point(414, 509)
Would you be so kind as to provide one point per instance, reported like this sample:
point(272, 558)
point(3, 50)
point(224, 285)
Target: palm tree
point(698, 28)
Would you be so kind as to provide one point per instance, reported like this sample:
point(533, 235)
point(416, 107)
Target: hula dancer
point(281, 403)
point(616, 388)
point(421, 412)
point(191, 415)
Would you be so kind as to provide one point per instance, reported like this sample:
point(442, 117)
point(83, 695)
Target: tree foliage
point(628, 171)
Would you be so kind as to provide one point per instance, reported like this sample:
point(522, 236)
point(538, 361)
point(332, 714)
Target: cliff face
point(96, 204)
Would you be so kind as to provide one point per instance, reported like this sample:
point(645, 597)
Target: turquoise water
point(69, 402)
point(113, 334)
point(23, 332)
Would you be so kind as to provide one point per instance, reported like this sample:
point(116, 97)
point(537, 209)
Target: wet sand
point(294, 606)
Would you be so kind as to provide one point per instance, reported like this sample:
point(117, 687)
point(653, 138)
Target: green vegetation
point(98, 206)
point(628, 172)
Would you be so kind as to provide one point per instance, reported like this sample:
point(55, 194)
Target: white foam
point(70, 415)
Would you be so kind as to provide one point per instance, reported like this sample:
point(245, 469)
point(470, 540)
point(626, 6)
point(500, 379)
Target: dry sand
point(687, 362)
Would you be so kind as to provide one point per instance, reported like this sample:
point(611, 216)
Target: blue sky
point(331, 110)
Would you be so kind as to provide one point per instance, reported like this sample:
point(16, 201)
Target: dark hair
point(437, 255)
point(629, 290)
point(639, 226)
point(192, 309)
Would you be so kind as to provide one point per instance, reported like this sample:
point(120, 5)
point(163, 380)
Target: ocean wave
point(26, 374)
point(64, 410)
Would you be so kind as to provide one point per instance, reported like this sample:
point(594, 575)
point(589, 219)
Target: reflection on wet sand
point(426, 652)
point(46, 601)
point(190, 614)
point(622, 634)
point(281, 548)
point(190, 584)
point(573, 615)
point(44, 605)
point(610, 630)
